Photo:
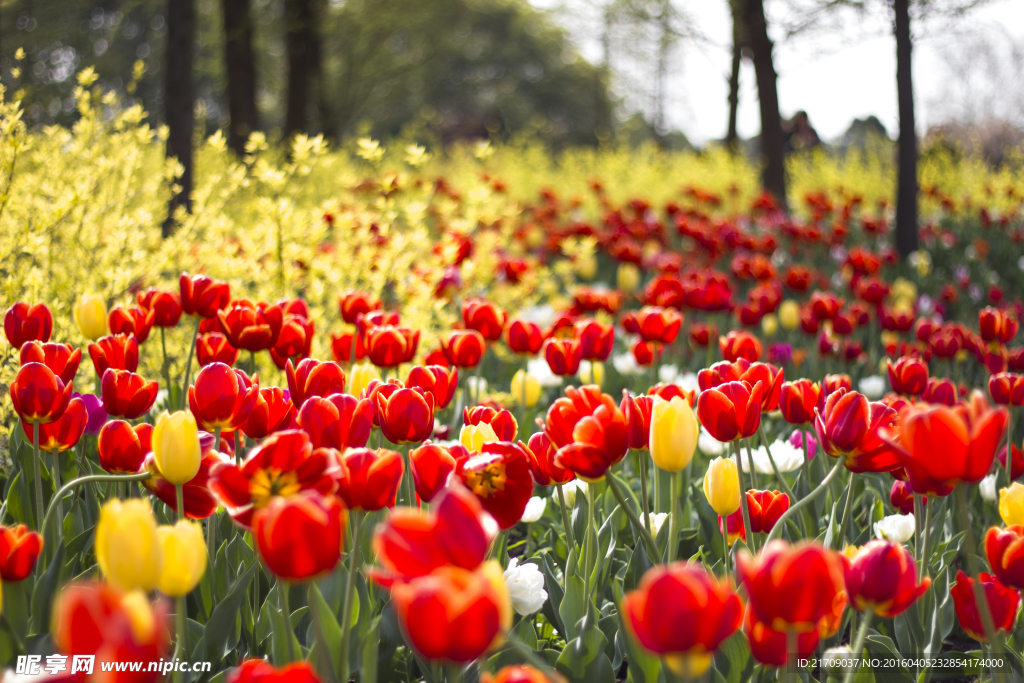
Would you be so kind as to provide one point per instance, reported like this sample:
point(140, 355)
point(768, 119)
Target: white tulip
point(626, 365)
point(569, 491)
point(899, 528)
point(539, 368)
point(534, 509)
point(708, 444)
point(988, 487)
point(872, 386)
point(657, 519)
point(525, 586)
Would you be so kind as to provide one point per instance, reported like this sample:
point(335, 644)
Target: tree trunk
point(300, 46)
point(906, 185)
point(179, 98)
point(731, 135)
point(773, 175)
point(241, 73)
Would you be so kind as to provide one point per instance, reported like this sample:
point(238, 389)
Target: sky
point(834, 75)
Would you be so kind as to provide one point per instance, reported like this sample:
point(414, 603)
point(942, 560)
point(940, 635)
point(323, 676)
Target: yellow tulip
point(184, 551)
point(628, 277)
point(361, 376)
point(674, 432)
point(176, 448)
point(473, 437)
point(722, 486)
point(1011, 504)
point(141, 619)
point(592, 372)
point(91, 316)
point(586, 266)
point(769, 325)
point(127, 548)
point(525, 388)
point(789, 314)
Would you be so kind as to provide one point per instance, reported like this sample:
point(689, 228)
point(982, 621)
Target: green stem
point(744, 506)
point(777, 529)
point(925, 555)
point(179, 498)
point(847, 510)
point(792, 650)
point(918, 521)
point(858, 644)
point(644, 504)
point(1009, 447)
point(57, 500)
point(645, 536)
point(778, 475)
point(181, 618)
point(84, 480)
point(454, 673)
point(325, 664)
point(282, 597)
point(350, 585)
point(570, 541)
point(166, 368)
point(672, 544)
point(188, 366)
point(972, 563)
point(725, 545)
point(37, 470)
point(590, 541)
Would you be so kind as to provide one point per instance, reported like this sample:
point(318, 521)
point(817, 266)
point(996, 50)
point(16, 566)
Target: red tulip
point(873, 290)
point(24, 323)
point(337, 421)
point(295, 342)
point(940, 391)
point(541, 453)
point(1007, 389)
point(341, 347)
point(272, 412)
point(222, 397)
point(62, 359)
point(354, 303)
point(740, 344)
point(38, 394)
point(19, 550)
point(596, 340)
point(637, 411)
point(300, 537)
point(312, 377)
point(406, 416)
point(117, 351)
point(501, 421)
point(388, 346)
point(589, 430)
point(882, 577)
point(453, 614)
point(203, 296)
point(825, 305)
point(120, 448)
point(457, 532)
point(831, 383)
point(166, 306)
point(940, 447)
point(901, 496)
point(367, 321)
point(63, 433)
point(770, 647)
point(796, 587)
point(524, 337)
point(432, 464)
point(643, 352)
point(897, 321)
point(765, 509)
point(679, 610)
point(670, 391)
point(1002, 604)
point(908, 376)
point(464, 348)
point(249, 326)
point(438, 380)
point(97, 619)
point(131, 321)
point(500, 477)
point(851, 426)
point(654, 324)
point(484, 317)
point(375, 387)
point(262, 671)
point(731, 411)
point(284, 465)
point(797, 401)
point(1004, 549)
point(520, 674)
point(1016, 461)
point(995, 325)
point(213, 347)
point(718, 374)
point(701, 334)
point(563, 356)
point(771, 379)
point(199, 500)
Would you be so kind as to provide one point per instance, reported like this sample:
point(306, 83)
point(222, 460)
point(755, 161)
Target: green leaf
point(369, 650)
point(525, 633)
point(574, 606)
point(220, 625)
point(45, 589)
point(880, 646)
point(327, 632)
point(16, 605)
point(583, 661)
point(733, 659)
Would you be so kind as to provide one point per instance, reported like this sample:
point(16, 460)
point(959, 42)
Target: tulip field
point(492, 414)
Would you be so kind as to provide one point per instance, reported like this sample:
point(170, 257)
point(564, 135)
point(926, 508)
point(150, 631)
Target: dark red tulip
point(63, 433)
point(1007, 389)
point(901, 496)
point(121, 451)
point(203, 296)
point(116, 351)
point(438, 380)
point(24, 323)
point(909, 376)
point(38, 394)
point(166, 306)
point(563, 356)
point(312, 377)
point(126, 394)
point(825, 305)
point(882, 577)
point(1016, 463)
point(62, 359)
point(500, 477)
point(853, 427)
point(222, 397)
point(337, 421)
point(524, 337)
point(637, 410)
point(596, 340)
point(940, 391)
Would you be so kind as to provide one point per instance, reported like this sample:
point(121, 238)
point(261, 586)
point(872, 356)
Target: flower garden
point(384, 414)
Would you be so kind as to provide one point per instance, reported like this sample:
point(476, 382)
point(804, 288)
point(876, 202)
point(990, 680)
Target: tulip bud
point(789, 314)
point(176, 446)
point(473, 437)
point(722, 486)
point(586, 266)
point(91, 316)
point(1011, 504)
point(184, 552)
point(361, 376)
point(128, 549)
point(769, 325)
point(592, 372)
point(674, 433)
point(525, 388)
point(627, 278)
